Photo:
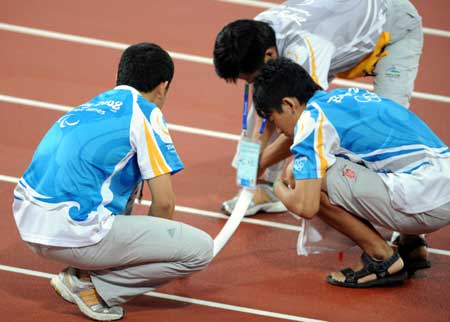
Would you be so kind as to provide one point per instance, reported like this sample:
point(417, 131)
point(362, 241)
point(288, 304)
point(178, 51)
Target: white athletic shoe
point(273, 205)
point(83, 294)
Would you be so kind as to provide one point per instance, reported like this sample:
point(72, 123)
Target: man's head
point(281, 91)
point(148, 68)
point(241, 49)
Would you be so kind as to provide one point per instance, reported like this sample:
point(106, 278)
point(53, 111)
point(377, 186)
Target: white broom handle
point(235, 219)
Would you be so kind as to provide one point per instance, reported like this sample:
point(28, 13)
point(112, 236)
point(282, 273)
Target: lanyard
point(249, 150)
point(245, 112)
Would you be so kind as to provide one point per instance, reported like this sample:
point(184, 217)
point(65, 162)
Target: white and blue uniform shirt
point(86, 166)
point(379, 133)
point(326, 37)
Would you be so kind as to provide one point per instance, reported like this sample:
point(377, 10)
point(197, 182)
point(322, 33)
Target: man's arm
point(303, 199)
point(274, 153)
point(163, 197)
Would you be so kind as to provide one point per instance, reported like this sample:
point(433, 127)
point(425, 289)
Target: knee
point(205, 251)
point(201, 252)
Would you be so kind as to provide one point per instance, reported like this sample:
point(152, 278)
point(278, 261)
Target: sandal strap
point(350, 275)
point(380, 268)
point(411, 245)
point(371, 266)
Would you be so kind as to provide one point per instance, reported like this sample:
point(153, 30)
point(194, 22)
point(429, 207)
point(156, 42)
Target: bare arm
point(163, 197)
point(275, 152)
point(303, 199)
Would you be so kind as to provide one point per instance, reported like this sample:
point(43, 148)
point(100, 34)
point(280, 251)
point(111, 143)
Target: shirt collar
point(127, 87)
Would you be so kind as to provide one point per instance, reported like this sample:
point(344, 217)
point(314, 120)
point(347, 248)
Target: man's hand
point(303, 199)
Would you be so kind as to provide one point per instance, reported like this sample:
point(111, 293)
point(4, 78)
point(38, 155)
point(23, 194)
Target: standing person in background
point(66, 204)
point(347, 39)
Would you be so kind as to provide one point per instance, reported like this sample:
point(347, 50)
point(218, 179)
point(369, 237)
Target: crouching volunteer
point(80, 178)
point(359, 160)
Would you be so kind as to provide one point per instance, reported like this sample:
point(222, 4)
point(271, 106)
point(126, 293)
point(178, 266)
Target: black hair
point(240, 48)
point(144, 66)
point(278, 79)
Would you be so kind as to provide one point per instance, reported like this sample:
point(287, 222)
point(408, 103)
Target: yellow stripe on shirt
point(161, 127)
point(320, 147)
point(156, 160)
point(313, 61)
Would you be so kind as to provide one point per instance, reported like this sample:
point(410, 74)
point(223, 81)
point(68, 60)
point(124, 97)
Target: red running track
point(259, 267)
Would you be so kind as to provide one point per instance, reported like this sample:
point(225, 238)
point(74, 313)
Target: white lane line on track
point(8, 179)
point(92, 41)
point(267, 5)
point(252, 3)
point(184, 299)
point(176, 55)
point(65, 108)
point(436, 32)
point(212, 214)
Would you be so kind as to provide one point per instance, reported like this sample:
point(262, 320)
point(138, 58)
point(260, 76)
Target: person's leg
point(396, 72)
point(358, 196)
point(75, 286)
point(363, 234)
point(361, 191)
point(413, 250)
point(139, 254)
point(152, 252)
point(413, 247)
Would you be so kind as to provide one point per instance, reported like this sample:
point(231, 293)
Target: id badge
point(248, 161)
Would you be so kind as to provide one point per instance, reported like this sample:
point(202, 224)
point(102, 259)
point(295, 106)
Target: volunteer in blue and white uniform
point(66, 204)
point(359, 160)
point(345, 39)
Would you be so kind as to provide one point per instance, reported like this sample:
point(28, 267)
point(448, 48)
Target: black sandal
point(371, 266)
point(412, 264)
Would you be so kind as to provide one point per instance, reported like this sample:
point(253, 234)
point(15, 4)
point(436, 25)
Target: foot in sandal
point(370, 272)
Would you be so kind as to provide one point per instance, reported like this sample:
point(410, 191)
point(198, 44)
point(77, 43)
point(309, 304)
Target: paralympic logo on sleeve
point(299, 163)
point(67, 120)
